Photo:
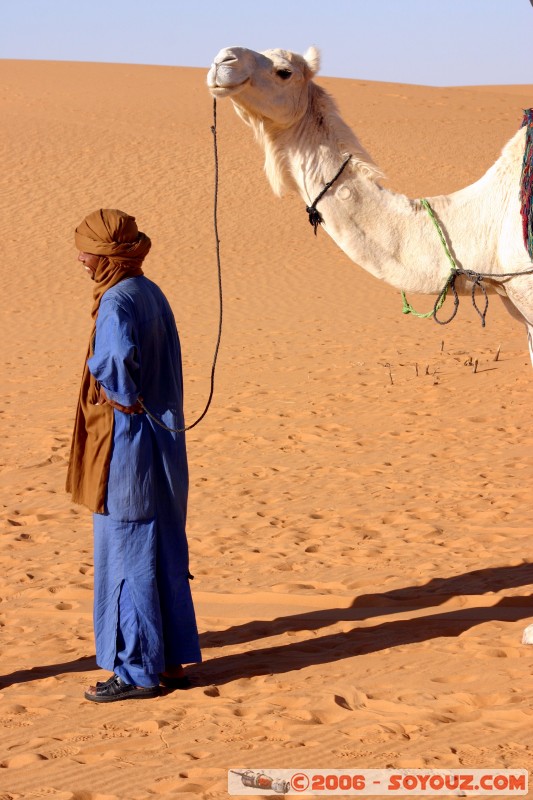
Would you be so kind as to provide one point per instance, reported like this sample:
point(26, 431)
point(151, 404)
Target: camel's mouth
point(227, 91)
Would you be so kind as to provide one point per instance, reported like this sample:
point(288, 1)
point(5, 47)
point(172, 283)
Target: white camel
point(306, 142)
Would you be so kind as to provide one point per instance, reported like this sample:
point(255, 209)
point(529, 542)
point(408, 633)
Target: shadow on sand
point(368, 639)
point(337, 646)
point(85, 664)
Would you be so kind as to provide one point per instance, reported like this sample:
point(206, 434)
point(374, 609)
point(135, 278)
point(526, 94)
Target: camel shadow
point(337, 646)
point(433, 593)
point(357, 642)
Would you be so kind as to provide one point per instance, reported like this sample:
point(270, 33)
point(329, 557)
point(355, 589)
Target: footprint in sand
point(22, 760)
point(168, 787)
point(62, 752)
point(154, 725)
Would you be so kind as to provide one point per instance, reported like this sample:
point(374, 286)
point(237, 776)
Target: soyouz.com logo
point(385, 782)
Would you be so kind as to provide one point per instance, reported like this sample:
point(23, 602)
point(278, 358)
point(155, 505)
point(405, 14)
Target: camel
point(306, 142)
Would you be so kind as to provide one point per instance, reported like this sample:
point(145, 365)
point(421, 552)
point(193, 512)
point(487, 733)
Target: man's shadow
point(84, 664)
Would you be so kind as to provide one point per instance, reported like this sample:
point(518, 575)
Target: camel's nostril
point(227, 59)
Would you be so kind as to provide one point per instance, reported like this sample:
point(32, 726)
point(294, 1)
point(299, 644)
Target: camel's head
point(269, 86)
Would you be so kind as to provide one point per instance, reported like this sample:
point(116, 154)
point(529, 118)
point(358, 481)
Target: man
point(130, 471)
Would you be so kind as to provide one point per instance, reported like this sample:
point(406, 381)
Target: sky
point(431, 42)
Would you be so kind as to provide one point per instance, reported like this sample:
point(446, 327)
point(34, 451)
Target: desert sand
point(360, 506)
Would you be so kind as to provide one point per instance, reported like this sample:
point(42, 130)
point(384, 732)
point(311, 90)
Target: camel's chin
point(227, 91)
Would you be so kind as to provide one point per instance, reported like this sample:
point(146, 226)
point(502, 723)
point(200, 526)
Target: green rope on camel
point(407, 307)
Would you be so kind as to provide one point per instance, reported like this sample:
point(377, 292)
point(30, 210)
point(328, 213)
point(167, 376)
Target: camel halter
point(526, 212)
point(476, 278)
point(315, 217)
point(219, 271)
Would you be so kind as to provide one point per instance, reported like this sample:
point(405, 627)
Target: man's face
point(90, 262)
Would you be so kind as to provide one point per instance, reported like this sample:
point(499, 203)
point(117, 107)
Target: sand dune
point(360, 517)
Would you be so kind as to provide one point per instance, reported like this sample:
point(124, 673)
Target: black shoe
point(182, 682)
point(116, 689)
point(99, 684)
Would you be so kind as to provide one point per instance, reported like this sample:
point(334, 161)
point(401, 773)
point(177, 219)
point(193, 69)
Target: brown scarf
point(114, 236)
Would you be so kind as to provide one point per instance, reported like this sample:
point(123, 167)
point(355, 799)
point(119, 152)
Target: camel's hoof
point(527, 636)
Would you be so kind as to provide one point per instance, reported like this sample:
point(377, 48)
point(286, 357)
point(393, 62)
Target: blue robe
point(144, 617)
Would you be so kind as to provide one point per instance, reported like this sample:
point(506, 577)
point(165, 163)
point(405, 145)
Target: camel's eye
point(284, 74)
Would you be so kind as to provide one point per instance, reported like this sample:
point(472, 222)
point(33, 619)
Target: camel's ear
point(312, 57)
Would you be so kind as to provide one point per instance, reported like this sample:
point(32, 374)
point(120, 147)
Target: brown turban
point(114, 237)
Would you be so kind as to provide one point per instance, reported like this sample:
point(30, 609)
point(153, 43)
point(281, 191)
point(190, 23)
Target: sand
point(360, 497)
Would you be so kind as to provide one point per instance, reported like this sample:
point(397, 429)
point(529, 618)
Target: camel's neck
point(384, 233)
point(387, 234)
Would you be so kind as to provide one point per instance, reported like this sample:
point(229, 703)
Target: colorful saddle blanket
point(526, 184)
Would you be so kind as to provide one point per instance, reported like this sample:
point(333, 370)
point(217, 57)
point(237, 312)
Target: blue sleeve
point(116, 359)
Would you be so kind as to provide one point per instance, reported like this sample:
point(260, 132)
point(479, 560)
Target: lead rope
point(219, 270)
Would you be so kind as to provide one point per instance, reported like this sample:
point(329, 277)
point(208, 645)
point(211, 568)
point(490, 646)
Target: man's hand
point(134, 409)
